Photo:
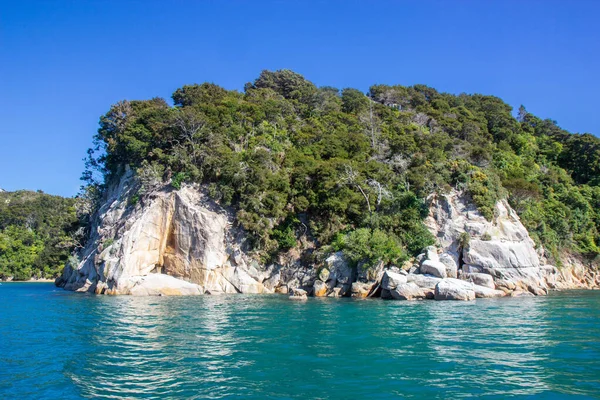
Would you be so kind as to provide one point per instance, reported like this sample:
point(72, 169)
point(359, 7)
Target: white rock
point(486, 292)
point(407, 291)
point(480, 279)
point(298, 294)
point(431, 254)
point(172, 233)
point(424, 281)
point(360, 289)
point(339, 269)
point(449, 261)
point(510, 253)
point(434, 268)
point(392, 279)
point(162, 285)
point(454, 289)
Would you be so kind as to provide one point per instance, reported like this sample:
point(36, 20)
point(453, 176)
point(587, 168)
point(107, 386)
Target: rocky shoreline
point(179, 242)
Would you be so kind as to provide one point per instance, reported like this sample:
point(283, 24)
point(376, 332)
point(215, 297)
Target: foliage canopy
point(353, 169)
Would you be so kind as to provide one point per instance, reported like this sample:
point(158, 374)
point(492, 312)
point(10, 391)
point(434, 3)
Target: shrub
point(178, 179)
point(370, 247)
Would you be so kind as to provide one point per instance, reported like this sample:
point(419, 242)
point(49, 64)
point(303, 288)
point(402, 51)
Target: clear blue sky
point(63, 63)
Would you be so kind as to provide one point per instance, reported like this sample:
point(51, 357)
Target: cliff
point(502, 248)
point(170, 243)
point(179, 242)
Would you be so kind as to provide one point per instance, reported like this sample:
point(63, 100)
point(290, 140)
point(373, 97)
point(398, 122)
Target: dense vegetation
point(350, 171)
point(37, 233)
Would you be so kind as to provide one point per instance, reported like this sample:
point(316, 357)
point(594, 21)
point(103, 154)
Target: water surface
point(57, 344)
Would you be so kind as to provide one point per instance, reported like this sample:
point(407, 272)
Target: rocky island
point(403, 193)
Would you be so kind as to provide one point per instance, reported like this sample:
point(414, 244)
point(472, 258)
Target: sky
point(63, 63)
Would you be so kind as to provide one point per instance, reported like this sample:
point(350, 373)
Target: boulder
point(324, 274)
point(537, 290)
point(480, 279)
point(298, 294)
point(449, 262)
point(407, 291)
point(505, 284)
point(431, 253)
point(360, 289)
point(244, 283)
point(370, 273)
point(486, 292)
point(423, 281)
point(339, 269)
point(320, 289)
point(434, 268)
point(392, 279)
point(454, 289)
point(521, 293)
point(162, 285)
point(501, 255)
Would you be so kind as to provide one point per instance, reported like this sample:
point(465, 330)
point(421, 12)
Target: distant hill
point(36, 234)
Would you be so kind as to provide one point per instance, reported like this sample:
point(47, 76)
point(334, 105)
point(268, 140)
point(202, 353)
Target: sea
point(56, 344)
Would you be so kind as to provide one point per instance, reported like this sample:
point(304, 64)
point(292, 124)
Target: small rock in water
point(298, 294)
point(521, 293)
point(360, 289)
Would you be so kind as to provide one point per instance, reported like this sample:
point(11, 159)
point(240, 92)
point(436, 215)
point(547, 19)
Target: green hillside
point(351, 171)
point(37, 234)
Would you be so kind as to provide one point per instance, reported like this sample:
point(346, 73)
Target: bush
point(370, 247)
point(178, 179)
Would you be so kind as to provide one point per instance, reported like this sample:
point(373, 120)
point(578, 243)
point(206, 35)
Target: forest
point(342, 169)
point(38, 232)
point(351, 170)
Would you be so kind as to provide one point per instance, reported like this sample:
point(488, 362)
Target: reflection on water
point(269, 347)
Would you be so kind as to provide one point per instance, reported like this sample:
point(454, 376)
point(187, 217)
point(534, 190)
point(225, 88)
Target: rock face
point(485, 251)
point(176, 242)
point(179, 242)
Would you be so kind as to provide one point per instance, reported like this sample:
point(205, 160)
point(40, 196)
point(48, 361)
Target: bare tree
point(381, 191)
point(372, 124)
point(350, 177)
point(190, 126)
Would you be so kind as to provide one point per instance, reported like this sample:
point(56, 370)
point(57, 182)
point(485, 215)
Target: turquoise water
point(57, 344)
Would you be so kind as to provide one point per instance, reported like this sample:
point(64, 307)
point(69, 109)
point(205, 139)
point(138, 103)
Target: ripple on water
point(56, 344)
